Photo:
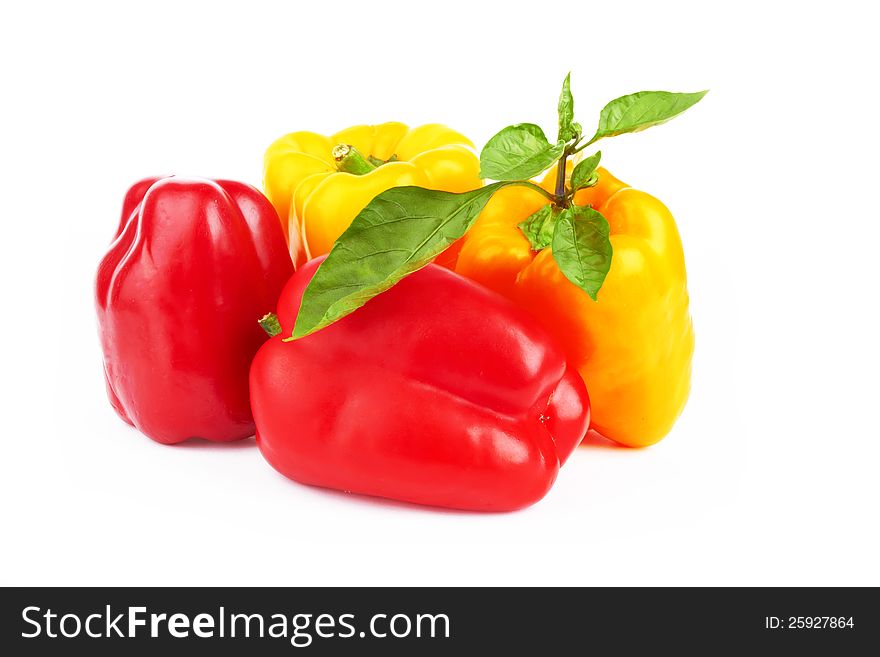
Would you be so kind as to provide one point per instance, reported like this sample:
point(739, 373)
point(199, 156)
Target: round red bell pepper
point(437, 392)
point(194, 264)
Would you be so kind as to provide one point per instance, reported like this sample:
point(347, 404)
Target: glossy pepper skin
point(634, 345)
point(436, 392)
point(193, 266)
point(317, 202)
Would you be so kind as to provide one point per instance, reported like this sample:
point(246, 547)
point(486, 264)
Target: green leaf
point(642, 110)
point(538, 228)
point(582, 249)
point(584, 174)
point(518, 152)
point(399, 232)
point(565, 108)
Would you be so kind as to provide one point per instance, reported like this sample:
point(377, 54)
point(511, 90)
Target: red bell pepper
point(194, 264)
point(436, 392)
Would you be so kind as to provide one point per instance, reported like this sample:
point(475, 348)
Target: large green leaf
point(565, 109)
point(642, 110)
point(584, 174)
point(518, 152)
point(582, 248)
point(400, 231)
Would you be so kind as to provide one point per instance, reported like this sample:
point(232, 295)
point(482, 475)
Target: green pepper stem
point(349, 160)
point(270, 324)
point(528, 183)
point(561, 201)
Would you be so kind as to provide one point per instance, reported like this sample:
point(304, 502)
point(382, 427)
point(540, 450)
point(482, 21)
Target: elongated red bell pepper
point(193, 266)
point(436, 392)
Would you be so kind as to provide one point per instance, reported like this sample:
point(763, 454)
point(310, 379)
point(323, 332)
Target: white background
point(770, 476)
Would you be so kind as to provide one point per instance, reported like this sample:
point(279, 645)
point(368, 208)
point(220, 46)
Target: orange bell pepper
point(633, 345)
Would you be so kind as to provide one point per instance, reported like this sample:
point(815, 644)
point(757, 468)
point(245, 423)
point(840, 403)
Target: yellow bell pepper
point(633, 346)
point(319, 184)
